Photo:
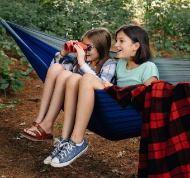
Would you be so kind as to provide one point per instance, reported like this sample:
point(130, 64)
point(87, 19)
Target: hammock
point(108, 119)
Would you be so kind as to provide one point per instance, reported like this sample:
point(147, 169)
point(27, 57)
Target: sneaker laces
point(57, 143)
point(67, 150)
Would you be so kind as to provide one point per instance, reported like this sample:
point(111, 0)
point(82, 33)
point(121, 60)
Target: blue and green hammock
point(108, 119)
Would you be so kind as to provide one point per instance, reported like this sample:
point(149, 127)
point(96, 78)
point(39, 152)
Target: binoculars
point(71, 48)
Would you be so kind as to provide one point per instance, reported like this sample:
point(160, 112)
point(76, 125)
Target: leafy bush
point(8, 78)
point(167, 21)
point(168, 24)
point(67, 18)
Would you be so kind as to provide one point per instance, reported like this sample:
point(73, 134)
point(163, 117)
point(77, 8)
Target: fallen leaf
point(120, 154)
point(17, 138)
point(23, 123)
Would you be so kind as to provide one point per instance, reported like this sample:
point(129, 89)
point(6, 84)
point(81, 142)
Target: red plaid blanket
point(165, 135)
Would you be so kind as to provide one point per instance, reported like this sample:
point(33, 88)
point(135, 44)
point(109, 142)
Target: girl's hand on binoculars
point(72, 41)
point(80, 54)
point(106, 83)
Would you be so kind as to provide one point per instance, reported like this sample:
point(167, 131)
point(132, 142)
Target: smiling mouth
point(86, 56)
point(119, 50)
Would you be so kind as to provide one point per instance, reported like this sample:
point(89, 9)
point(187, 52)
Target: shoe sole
point(68, 162)
point(47, 162)
point(32, 138)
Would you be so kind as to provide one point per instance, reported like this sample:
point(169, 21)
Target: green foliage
point(8, 78)
point(168, 24)
point(24, 61)
point(14, 101)
point(167, 21)
point(11, 104)
point(67, 18)
point(58, 126)
point(8, 43)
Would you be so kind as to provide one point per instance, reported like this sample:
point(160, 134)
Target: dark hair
point(138, 34)
point(101, 39)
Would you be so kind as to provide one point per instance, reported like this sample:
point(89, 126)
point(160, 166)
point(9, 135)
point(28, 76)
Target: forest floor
point(20, 157)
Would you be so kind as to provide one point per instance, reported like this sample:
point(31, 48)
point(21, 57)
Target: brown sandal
point(40, 136)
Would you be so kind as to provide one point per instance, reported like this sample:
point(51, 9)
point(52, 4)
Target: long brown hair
point(101, 39)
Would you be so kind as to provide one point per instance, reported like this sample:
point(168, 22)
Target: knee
point(55, 69)
point(63, 76)
point(73, 80)
point(90, 82)
point(87, 80)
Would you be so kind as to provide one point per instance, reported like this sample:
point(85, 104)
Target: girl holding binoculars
point(63, 80)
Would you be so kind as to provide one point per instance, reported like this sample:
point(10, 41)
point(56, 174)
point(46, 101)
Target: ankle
point(80, 144)
point(64, 138)
point(77, 140)
point(38, 120)
point(47, 128)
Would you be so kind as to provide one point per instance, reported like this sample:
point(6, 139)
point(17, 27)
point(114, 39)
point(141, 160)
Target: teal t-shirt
point(135, 76)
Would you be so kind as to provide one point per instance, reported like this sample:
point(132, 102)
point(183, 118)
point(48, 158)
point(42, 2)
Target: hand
point(80, 55)
point(106, 83)
point(150, 80)
point(64, 52)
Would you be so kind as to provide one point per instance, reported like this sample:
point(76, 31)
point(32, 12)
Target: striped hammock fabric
point(108, 119)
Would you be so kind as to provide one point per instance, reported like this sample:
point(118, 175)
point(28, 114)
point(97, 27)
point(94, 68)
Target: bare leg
point(85, 105)
point(55, 104)
point(70, 104)
point(49, 85)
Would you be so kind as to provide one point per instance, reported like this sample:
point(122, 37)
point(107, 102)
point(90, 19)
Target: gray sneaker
point(59, 146)
point(68, 154)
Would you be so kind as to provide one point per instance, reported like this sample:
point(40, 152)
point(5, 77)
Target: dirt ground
point(23, 158)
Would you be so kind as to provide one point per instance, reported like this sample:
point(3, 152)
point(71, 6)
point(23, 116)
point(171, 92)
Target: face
point(91, 55)
point(125, 47)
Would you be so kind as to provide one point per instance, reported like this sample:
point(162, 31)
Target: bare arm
point(62, 54)
point(148, 82)
point(106, 83)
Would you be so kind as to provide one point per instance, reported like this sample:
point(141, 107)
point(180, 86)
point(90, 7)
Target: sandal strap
point(43, 133)
point(35, 124)
point(38, 136)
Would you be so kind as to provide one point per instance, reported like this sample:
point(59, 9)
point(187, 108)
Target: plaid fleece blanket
point(165, 135)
